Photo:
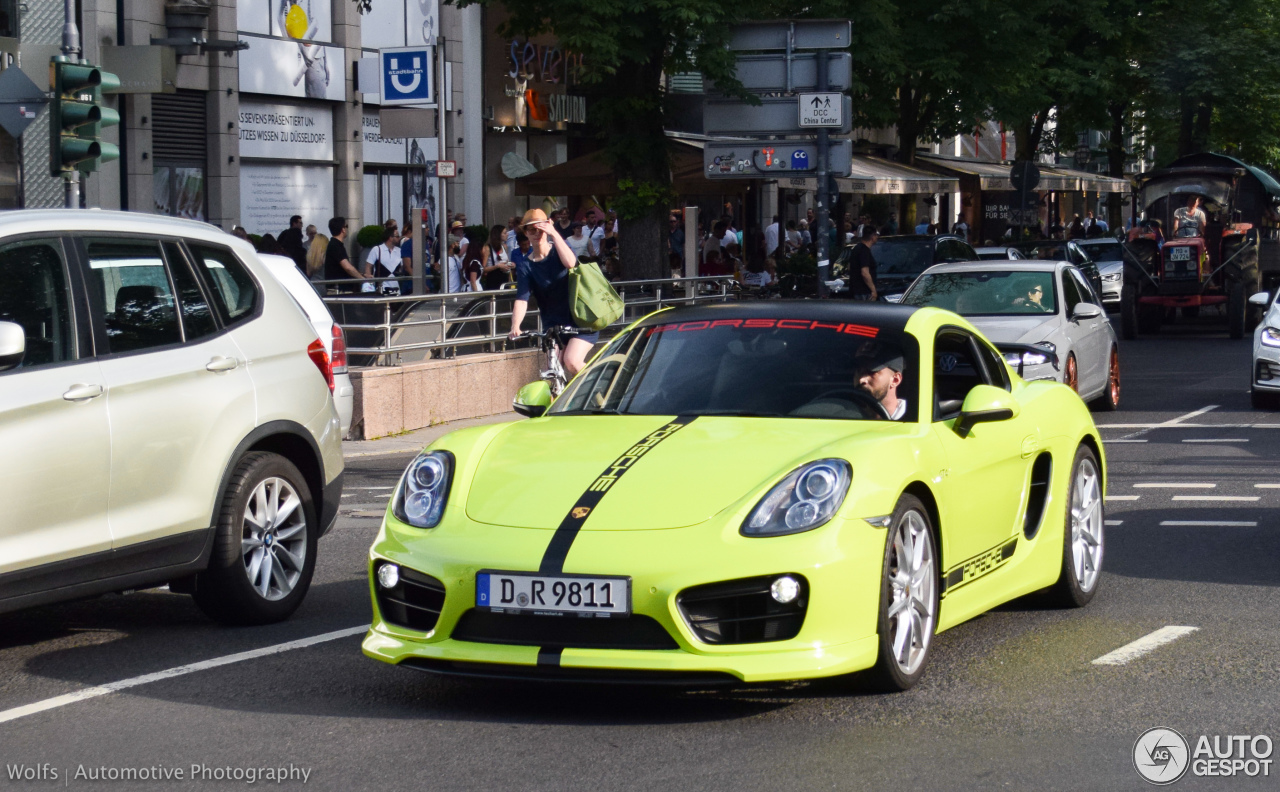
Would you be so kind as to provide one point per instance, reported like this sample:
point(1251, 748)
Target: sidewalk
point(416, 440)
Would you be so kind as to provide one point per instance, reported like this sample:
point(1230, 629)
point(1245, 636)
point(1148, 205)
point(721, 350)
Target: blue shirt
point(548, 281)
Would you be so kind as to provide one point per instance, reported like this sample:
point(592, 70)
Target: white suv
point(165, 416)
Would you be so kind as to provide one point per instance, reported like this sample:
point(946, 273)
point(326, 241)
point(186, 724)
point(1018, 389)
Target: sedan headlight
point(1112, 277)
point(1271, 337)
point(424, 489)
point(1020, 360)
point(804, 500)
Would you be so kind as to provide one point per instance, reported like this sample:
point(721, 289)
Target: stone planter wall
point(393, 399)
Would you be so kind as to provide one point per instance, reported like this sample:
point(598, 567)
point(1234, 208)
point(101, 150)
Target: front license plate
point(553, 595)
point(1180, 254)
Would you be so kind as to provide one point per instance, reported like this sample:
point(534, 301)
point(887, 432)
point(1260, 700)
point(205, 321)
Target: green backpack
point(594, 303)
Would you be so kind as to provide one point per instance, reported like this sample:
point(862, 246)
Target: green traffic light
point(76, 117)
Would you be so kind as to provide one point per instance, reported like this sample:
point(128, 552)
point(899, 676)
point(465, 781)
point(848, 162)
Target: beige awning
point(879, 176)
point(995, 176)
point(1096, 182)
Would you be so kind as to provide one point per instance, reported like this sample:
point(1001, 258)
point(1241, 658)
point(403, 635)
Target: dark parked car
point(1062, 250)
point(899, 259)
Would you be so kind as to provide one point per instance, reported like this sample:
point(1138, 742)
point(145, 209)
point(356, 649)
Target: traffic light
point(77, 116)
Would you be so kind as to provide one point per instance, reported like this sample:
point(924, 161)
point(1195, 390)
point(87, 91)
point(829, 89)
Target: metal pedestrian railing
point(387, 330)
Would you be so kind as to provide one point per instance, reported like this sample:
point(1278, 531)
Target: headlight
point(1271, 337)
point(1025, 359)
point(424, 489)
point(804, 500)
point(1112, 277)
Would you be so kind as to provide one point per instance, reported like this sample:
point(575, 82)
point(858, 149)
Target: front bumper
point(841, 562)
point(1266, 367)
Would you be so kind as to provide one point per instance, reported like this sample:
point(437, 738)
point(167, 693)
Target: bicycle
point(552, 341)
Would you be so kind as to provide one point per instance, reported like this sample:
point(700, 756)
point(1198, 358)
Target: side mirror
point(1086, 310)
point(985, 403)
point(13, 345)
point(1261, 299)
point(533, 399)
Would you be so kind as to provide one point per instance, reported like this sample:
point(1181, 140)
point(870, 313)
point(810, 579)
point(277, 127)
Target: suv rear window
point(233, 288)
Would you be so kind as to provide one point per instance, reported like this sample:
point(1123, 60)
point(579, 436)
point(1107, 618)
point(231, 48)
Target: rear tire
point(908, 588)
point(1082, 544)
point(1150, 317)
point(264, 550)
point(1128, 313)
point(1237, 307)
point(1109, 401)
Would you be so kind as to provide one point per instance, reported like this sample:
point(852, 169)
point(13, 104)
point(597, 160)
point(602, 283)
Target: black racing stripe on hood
point(562, 541)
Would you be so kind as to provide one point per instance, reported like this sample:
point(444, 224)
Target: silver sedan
point(1048, 306)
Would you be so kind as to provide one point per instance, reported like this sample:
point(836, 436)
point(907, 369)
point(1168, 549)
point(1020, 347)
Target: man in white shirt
point(595, 220)
point(879, 373)
point(771, 234)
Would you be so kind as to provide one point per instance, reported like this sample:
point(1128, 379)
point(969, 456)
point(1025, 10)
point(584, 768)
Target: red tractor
point(1209, 239)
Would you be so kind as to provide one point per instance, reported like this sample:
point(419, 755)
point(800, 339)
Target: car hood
point(533, 472)
point(1015, 329)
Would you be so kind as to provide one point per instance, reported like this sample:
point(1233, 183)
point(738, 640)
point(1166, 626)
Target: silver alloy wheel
point(913, 585)
point(1086, 525)
point(274, 542)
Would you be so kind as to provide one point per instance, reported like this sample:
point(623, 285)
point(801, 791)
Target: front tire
point(1083, 534)
point(1237, 307)
point(1128, 312)
point(264, 551)
point(908, 598)
point(1263, 400)
point(1109, 401)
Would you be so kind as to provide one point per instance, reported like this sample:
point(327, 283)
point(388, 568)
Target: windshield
point(1001, 293)
point(763, 367)
point(1100, 252)
point(903, 256)
point(1047, 250)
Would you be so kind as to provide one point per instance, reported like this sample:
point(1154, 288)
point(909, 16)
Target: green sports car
point(744, 493)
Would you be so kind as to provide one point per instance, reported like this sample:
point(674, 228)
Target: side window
point(1082, 285)
point(997, 373)
point(234, 291)
point(133, 294)
point(33, 294)
point(947, 251)
point(197, 317)
point(955, 372)
point(1070, 294)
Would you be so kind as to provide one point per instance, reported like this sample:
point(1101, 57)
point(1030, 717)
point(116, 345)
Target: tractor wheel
point(1237, 307)
point(1190, 311)
point(1129, 312)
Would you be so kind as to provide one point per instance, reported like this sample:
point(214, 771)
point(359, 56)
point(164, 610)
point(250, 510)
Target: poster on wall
point(292, 68)
point(271, 194)
point(280, 131)
point(178, 191)
point(376, 148)
point(399, 23)
point(300, 20)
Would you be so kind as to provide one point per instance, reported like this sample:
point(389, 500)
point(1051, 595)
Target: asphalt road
point(1012, 699)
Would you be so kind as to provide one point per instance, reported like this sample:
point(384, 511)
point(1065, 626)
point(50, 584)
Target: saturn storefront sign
point(530, 82)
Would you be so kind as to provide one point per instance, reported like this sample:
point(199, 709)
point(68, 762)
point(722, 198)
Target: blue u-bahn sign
point(406, 76)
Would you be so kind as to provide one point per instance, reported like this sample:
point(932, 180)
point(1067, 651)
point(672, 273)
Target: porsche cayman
point(722, 497)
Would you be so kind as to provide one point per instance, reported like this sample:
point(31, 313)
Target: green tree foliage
point(626, 47)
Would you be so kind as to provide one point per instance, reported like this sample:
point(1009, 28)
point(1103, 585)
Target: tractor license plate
point(553, 595)
point(1180, 254)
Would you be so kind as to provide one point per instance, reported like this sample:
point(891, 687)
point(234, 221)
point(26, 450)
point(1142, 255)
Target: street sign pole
point(824, 169)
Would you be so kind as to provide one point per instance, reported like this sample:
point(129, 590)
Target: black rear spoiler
point(1024, 350)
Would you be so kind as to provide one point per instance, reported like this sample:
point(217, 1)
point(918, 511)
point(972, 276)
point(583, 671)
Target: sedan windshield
point(986, 293)
point(756, 367)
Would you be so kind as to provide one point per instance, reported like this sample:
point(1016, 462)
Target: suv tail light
point(339, 355)
point(318, 355)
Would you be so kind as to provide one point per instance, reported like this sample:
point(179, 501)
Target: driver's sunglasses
point(1038, 290)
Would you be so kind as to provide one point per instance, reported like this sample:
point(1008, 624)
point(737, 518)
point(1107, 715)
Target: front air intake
point(744, 611)
point(414, 602)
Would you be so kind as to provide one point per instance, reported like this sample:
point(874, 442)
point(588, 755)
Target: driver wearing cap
point(879, 373)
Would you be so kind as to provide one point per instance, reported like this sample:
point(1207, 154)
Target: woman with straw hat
point(544, 274)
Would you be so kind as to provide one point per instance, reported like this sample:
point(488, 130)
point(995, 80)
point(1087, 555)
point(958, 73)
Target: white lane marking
point(1171, 421)
point(1212, 440)
point(1173, 485)
point(370, 488)
point(1113, 442)
point(1211, 523)
point(1122, 497)
point(203, 665)
point(1114, 522)
point(1144, 645)
point(1249, 498)
point(1266, 486)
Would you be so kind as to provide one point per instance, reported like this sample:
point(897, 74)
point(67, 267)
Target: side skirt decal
point(982, 564)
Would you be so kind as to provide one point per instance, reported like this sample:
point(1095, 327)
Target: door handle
point(220, 363)
point(82, 392)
